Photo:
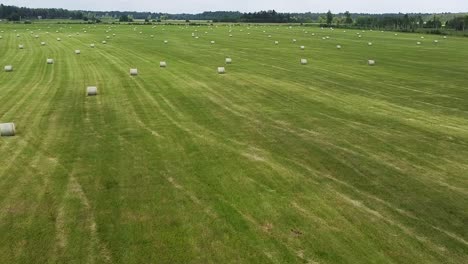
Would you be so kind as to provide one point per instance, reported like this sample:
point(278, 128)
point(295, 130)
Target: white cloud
point(195, 6)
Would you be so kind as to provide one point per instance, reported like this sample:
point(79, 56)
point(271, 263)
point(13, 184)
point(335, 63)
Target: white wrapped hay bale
point(445, 37)
point(104, 42)
point(43, 43)
point(371, 62)
point(436, 41)
point(59, 39)
point(133, 72)
point(294, 40)
point(370, 43)
point(228, 60)
point(77, 52)
point(276, 42)
point(212, 42)
point(91, 91)
point(304, 61)
point(165, 42)
point(21, 46)
point(418, 43)
point(8, 68)
point(92, 45)
point(302, 47)
point(50, 61)
point(162, 64)
point(221, 70)
point(7, 129)
point(338, 46)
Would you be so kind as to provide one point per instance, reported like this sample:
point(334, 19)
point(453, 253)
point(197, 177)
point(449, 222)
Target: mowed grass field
point(273, 162)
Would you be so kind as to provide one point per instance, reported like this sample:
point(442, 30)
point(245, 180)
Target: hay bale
point(59, 39)
point(303, 61)
point(8, 68)
point(370, 43)
point(338, 46)
point(7, 129)
point(276, 42)
point(162, 64)
point(165, 42)
point(436, 41)
point(302, 47)
point(43, 43)
point(294, 40)
point(1, 37)
point(104, 42)
point(371, 62)
point(228, 60)
point(21, 46)
point(212, 42)
point(445, 37)
point(50, 61)
point(92, 45)
point(221, 70)
point(418, 43)
point(133, 72)
point(77, 52)
point(91, 91)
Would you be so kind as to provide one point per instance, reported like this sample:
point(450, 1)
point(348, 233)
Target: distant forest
point(402, 22)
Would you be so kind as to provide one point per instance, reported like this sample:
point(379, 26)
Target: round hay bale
point(21, 46)
point(338, 46)
point(302, 47)
point(91, 91)
point(418, 43)
point(7, 129)
point(370, 43)
point(8, 68)
point(77, 52)
point(371, 62)
point(276, 42)
point(445, 37)
point(43, 43)
point(104, 42)
point(92, 45)
point(436, 41)
point(133, 72)
point(228, 60)
point(165, 42)
point(162, 64)
point(59, 39)
point(304, 61)
point(50, 61)
point(1, 37)
point(294, 40)
point(221, 70)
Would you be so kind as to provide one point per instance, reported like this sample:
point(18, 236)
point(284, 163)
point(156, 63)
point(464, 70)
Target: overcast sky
point(196, 6)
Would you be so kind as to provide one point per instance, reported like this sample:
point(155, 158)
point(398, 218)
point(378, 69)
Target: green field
point(273, 162)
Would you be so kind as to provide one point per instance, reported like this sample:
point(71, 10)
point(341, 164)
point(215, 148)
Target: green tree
point(329, 17)
point(348, 19)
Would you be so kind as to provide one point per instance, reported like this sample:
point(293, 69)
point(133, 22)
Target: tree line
point(402, 22)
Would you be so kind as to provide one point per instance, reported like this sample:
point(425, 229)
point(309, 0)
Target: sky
point(198, 6)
